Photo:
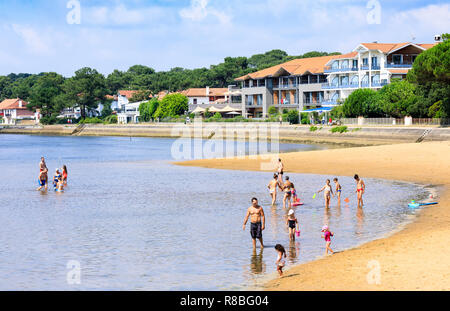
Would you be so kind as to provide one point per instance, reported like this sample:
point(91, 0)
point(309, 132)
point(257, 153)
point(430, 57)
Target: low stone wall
point(287, 133)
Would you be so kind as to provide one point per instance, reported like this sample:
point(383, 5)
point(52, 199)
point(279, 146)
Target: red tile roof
point(13, 104)
point(201, 92)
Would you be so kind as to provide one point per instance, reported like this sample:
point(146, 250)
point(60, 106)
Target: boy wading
point(257, 219)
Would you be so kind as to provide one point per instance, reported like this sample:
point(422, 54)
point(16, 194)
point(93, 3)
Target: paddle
point(314, 196)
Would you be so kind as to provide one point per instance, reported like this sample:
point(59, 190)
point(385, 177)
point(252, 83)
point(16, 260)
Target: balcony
point(329, 69)
point(286, 86)
point(399, 65)
point(327, 86)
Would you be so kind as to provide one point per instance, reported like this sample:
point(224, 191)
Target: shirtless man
point(42, 165)
point(280, 170)
point(360, 189)
point(287, 188)
point(257, 222)
point(273, 184)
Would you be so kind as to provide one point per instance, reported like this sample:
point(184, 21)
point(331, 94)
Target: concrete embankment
point(286, 133)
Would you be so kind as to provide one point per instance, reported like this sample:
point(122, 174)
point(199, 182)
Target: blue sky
point(162, 34)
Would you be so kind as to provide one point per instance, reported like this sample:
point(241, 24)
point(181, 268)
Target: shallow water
point(135, 222)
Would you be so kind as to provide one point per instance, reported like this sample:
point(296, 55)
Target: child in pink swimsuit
point(327, 234)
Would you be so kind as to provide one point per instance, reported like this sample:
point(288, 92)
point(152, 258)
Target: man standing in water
point(360, 189)
point(257, 222)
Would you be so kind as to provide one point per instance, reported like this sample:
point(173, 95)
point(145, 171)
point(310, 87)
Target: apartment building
point(325, 81)
point(370, 65)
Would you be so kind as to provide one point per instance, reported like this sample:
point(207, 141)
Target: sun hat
point(291, 212)
point(324, 228)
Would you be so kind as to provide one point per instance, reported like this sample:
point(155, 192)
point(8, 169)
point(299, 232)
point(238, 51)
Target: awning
point(199, 110)
point(214, 109)
point(319, 110)
point(234, 113)
point(228, 108)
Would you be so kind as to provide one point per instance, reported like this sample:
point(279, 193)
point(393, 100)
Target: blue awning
point(322, 109)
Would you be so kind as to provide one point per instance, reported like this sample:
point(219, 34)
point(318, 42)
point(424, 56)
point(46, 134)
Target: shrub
point(48, 120)
point(90, 121)
point(305, 118)
point(272, 111)
point(339, 129)
point(292, 117)
point(313, 128)
point(112, 119)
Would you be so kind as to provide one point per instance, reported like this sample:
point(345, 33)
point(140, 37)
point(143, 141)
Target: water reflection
point(257, 265)
point(294, 251)
point(360, 220)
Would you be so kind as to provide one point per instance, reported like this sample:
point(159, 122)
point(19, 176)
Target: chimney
point(207, 91)
point(20, 103)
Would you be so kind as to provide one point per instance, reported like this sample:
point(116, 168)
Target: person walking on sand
point(360, 189)
point(257, 222)
point(273, 185)
point(338, 190)
point(327, 191)
point(292, 223)
point(280, 261)
point(287, 188)
point(327, 234)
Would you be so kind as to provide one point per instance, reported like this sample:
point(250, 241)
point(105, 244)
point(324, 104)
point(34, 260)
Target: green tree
point(172, 105)
point(45, 94)
point(292, 117)
point(431, 74)
point(272, 111)
point(152, 107)
point(144, 114)
point(397, 99)
point(359, 103)
point(85, 90)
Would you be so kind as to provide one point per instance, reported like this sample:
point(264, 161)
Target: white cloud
point(200, 9)
point(31, 38)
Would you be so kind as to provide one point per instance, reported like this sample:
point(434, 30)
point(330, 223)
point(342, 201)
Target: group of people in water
point(290, 199)
point(59, 179)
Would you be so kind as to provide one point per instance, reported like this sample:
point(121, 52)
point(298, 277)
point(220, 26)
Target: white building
point(370, 65)
point(12, 110)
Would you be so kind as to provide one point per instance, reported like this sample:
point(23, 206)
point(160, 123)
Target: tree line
point(51, 92)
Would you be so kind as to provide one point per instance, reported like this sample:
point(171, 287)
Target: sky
point(66, 35)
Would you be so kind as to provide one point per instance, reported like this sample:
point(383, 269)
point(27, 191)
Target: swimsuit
point(41, 182)
point(292, 223)
point(255, 230)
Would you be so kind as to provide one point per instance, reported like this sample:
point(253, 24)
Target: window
point(344, 81)
point(354, 81)
point(335, 65)
point(374, 61)
point(397, 59)
point(195, 101)
point(314, 79)
point(344, 64)
point(355, 63)
point(365, 62)
point(335, 81)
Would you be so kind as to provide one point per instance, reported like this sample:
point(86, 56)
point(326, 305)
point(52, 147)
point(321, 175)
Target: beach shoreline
point(410, 259)
point(355, 136)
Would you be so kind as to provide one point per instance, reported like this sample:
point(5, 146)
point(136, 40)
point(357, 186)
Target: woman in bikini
point(360, 189)
point(287, 188)
point(274, 183)
point(326, 193)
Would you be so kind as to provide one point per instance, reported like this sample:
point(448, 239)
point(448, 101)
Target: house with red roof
point(323, 82)
point(12, 110)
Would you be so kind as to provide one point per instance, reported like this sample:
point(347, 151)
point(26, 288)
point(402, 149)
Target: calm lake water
point(133, 221)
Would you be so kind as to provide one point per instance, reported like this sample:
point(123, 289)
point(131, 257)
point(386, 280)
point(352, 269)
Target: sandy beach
point(415, 258)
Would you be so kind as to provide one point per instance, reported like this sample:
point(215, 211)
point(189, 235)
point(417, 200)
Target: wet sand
point(416, 258)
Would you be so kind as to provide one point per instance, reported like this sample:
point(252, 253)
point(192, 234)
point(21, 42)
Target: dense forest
point(140, 77)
